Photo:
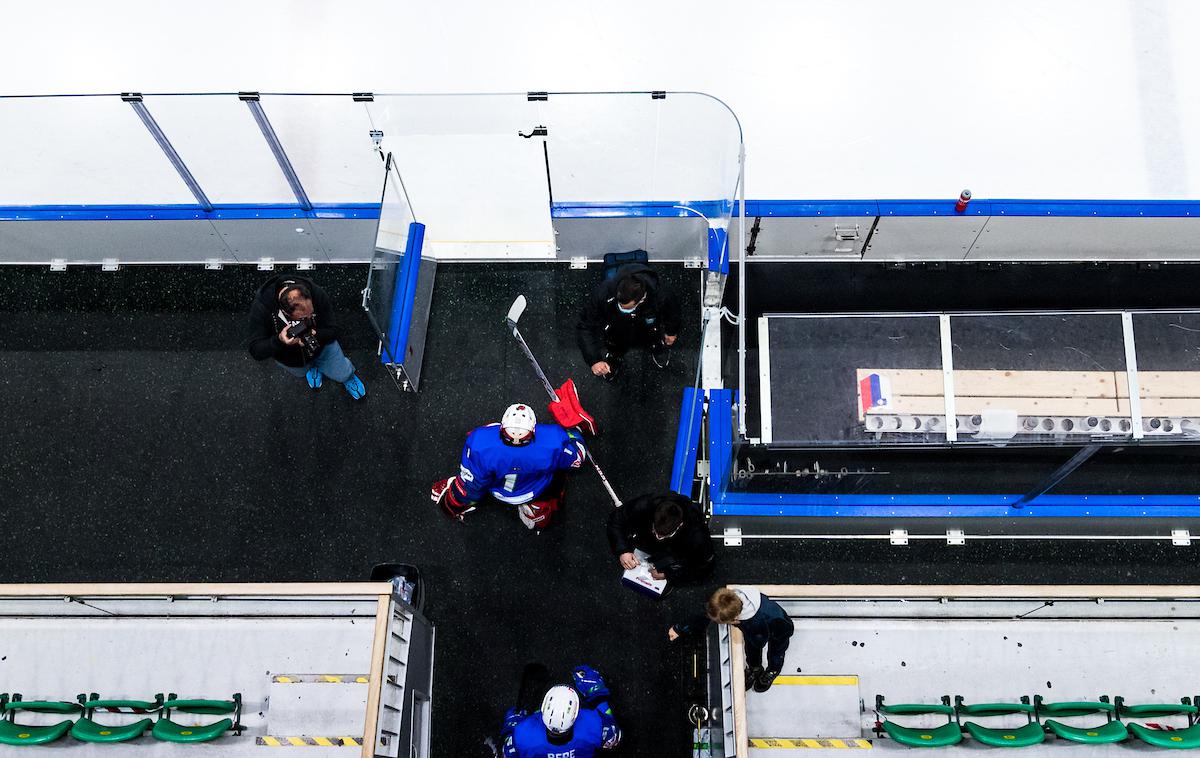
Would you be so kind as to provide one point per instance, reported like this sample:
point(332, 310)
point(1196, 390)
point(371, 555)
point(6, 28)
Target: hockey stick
point(514, 315)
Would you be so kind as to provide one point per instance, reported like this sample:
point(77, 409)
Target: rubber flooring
point(142, 443)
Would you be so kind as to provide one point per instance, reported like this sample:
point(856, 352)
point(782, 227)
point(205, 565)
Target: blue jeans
point(331, 362)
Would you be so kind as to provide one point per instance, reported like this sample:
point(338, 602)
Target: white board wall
point(870, 99)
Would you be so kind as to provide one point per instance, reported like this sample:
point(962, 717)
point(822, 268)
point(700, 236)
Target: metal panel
point(1037, 239)
point(810, 237)
point(665, 239)
point(279, 240)
point(916, 238)
point(41, 242)
point(345, 240)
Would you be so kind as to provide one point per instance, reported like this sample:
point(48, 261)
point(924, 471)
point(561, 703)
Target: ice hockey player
point(574, 722)
point(519, 462)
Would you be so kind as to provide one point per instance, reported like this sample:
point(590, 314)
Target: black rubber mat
point(141, 443)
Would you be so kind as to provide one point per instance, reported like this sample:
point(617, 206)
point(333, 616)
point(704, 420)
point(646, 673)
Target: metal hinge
point(693, 262)
point(733, 537)
point(658, 95)
point(109, 264)
point(898, 536)
point(956, 537)
point(213, 264)
point(131, 97)
point(579, 261)
point(1181, 537)
point(248, 96)
point(266, 264)
point(363, 97)
point(305, 264)
point(58, 264)
point(537, 97)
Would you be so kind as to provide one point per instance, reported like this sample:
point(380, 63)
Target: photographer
point(292, 321)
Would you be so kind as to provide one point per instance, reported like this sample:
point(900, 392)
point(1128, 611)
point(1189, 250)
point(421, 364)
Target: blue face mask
point(627, 311)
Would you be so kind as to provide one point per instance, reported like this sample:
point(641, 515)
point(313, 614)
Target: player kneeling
point(517, 461)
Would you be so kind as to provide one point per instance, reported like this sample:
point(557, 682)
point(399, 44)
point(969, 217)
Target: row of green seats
point(87, 729)
point(1041, 719)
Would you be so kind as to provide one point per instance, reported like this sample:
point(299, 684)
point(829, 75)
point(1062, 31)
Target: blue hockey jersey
point(590, 734)
point(516, 474)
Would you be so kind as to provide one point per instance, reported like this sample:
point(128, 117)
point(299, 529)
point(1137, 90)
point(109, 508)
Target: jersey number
point(510, 481)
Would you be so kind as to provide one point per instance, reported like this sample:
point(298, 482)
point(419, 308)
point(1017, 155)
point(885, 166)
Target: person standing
point(634, 309)
point(292, 321)
point(762, 621)
point(670, 529)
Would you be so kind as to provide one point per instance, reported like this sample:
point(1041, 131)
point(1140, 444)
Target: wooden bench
point(1037, 393)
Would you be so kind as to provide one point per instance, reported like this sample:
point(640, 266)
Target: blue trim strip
point(870, 208)
point(225, 212)
point(720, 441)
point(655, 209)
point(718, 250)
point(643, 209)
point(687, 441)
point(404, 296)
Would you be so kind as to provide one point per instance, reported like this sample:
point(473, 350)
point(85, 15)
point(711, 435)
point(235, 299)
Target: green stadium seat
point(87, 729)
point(12, 733)
point(943, 735)
point(1111, 730)
point(167, 730)
point(1176, 739)
point(1025, 735)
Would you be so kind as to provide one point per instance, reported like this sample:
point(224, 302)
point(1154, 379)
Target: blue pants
point(331, 362)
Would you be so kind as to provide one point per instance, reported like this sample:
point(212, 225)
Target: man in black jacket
point(633, 309)
point(670, 529)
point(292, 321)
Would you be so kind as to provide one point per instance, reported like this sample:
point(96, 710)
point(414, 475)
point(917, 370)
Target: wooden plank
point(998, 383)
point(379, 653)
point(1162, 384)
point(977, 591)
point(1154, 406)
point(1031, 406)
point(737, 661)
point(261, 589)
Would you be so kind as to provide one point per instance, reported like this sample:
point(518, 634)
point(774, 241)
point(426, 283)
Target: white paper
point(639, 576)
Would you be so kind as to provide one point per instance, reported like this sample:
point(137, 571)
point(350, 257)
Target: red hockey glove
point(449, 494)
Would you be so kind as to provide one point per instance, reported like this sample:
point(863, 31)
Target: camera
point(302, 330)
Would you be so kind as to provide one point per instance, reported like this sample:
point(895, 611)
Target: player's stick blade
point(515, 310)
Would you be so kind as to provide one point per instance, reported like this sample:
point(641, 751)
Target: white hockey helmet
point(560, 707)
point(517, 424)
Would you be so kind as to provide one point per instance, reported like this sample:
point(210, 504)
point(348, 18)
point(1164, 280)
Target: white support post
point(764, 380)
point(1131, 373)
point(742, 316)
point(948, 379)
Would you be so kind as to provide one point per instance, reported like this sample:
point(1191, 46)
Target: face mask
point(627, 312)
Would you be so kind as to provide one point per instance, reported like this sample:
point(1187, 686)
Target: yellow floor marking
point(296, 741)
point(806, 742)
point(323, 741)
point(271, 741)
point(817, 680)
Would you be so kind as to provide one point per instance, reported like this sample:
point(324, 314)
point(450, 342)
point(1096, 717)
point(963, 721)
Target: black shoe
point(752, 675)
point(661, 357)
point(765, 680)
